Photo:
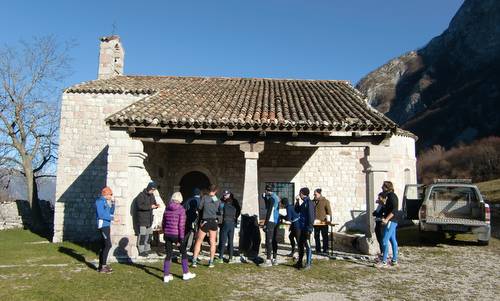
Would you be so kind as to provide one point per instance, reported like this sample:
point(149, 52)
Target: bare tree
point(31, 74)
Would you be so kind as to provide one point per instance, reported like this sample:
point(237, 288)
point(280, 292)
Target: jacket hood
point(172, 206)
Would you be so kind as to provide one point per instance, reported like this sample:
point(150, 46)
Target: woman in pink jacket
point(173, 225)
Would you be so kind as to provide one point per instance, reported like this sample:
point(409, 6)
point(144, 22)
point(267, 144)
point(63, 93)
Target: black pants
point(378, 233)
point(189, 239)
point(304, 237)
point(169, 248)
point(292, 236)
point(226, 235)
point(271, 240)
point(105, 246)
point(323, 231)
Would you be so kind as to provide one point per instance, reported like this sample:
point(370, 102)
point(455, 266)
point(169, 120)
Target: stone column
point(378, 158)
point(127, 177)
point(250, 200)
point(376, 162)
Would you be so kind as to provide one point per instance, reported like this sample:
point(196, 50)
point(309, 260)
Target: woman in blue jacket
point(105, 210)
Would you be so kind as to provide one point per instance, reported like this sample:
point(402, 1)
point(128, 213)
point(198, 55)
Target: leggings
point(169, 241)
point(105, 246)
point(390, 235)
point(169, 248)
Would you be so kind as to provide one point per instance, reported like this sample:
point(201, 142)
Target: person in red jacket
point(173, 225)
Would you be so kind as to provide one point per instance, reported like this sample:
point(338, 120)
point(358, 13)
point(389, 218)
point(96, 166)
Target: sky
point(331, 39)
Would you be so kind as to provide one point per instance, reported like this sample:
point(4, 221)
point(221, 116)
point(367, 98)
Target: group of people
point(186, 223)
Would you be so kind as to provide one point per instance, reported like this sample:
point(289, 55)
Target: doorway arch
point(190, 181)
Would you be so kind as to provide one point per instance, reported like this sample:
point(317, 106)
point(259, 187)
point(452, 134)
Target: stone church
point(240, 133)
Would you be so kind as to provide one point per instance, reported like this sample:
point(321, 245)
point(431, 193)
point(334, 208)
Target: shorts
point(209, 225)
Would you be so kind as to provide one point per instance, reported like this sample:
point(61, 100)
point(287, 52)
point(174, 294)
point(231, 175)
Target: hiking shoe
point(194, 264)
point(168, 278)
point(382, 265)
point(298, 265)
point(211, 264)
point(109, 268)
point(307, 267)
point(394, 263)
point(219, 260)
point(266, 264)
point(274, 262)
point(233, 260)
point(188, 276)
point(105, 270)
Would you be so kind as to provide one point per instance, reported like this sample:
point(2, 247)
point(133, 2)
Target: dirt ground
point(437, 268)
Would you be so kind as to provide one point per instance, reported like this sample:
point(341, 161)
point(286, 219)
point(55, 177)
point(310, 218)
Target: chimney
point(111, 56)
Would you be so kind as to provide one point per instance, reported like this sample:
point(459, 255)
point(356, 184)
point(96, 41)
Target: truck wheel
point(483, 242)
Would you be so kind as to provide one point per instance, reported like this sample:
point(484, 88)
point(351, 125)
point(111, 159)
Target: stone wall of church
point(83, 161)
point(337, 170)
point(91, 156)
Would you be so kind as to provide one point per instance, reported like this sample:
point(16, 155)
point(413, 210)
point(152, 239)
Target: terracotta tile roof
point(240, 103)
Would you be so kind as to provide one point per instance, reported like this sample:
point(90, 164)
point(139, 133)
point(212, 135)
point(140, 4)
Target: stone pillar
point(127, 177)
point(250, 200)
point(378, 159)
point(376, 163)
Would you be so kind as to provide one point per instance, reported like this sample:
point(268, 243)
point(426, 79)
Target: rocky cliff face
point(449, 91)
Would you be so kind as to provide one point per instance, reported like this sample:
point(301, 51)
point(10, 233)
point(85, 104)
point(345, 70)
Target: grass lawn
point(32, 269)
point(491, 190)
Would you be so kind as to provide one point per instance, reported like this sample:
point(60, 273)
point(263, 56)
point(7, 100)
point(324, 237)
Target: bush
point(479, 161)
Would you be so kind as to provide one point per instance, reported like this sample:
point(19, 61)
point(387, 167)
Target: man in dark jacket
point(305, 207)
point(145, 202)
point(323, 212)
point(230, 210)
point(191, 206)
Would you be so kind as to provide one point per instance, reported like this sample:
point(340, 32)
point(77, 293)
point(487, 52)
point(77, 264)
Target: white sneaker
point(188, 276)
point(267, 264)
point(167, 279)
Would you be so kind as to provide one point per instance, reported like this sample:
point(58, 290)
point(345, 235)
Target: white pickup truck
point(452, 206)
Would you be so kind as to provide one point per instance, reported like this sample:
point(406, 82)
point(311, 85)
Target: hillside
point(448, 92)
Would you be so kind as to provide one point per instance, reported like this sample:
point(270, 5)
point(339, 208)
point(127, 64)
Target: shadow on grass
point(146, 268)
point(72, 253)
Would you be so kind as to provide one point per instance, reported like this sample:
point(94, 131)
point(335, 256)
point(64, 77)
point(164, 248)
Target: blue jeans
point(226, 234)
point(390, 235)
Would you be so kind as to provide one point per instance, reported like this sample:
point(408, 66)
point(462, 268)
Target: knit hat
point(106, 191)
point(151, 185)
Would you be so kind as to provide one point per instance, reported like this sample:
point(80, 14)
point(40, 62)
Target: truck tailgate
point(455, 221)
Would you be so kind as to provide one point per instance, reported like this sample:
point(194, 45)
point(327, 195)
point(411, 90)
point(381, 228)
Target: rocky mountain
point(448, 92)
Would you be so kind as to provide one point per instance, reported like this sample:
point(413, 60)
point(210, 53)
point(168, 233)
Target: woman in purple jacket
point(173, 225)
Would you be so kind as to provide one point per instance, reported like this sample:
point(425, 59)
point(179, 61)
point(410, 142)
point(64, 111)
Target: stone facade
point(91, 156)
point(83, 161)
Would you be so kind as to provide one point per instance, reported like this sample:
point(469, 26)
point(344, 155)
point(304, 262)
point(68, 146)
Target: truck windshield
point(453, 194)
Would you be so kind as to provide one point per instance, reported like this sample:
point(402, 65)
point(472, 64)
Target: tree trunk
point(37, 224)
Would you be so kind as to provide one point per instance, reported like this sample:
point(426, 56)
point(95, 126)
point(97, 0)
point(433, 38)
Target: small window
point(283, 189)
